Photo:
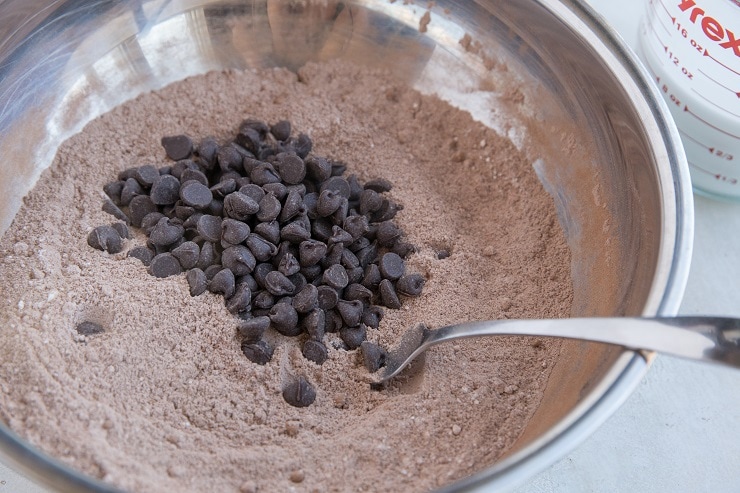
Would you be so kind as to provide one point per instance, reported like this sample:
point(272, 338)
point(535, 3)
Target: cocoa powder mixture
point(164, 400)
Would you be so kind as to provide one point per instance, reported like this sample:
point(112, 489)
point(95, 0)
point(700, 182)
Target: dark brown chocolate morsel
point(315, 351)
point(373, 356)
point(259, 352)
point(105, 238)
point(177, 147)
point(299, 393)
point(165, 265)
point(197, 281)
point(87, 328)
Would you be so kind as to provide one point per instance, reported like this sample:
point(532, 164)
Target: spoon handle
point(712, 339)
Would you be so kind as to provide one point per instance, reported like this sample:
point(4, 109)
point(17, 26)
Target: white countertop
point(680, 431)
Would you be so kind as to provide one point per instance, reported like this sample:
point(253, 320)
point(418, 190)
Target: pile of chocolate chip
point(287, 240)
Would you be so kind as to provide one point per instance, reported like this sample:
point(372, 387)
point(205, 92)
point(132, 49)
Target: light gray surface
point(679, 431)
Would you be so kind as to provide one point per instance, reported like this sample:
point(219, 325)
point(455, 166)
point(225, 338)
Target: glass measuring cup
point(692, 49)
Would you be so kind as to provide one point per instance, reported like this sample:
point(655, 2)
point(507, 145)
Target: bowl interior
point(542, 72)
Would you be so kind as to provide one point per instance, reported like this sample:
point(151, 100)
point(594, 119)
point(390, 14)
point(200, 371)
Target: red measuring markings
point(712, 150)
point(719, 83)
point(706, 53)
point(656, 16)
point(716, 176)
point(687, 110)
point(713, 103)
point(673, 19)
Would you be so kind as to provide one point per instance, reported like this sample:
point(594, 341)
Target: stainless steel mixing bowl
point(546, 72)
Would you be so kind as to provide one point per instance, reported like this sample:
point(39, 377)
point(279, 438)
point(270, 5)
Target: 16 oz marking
point(695, 44)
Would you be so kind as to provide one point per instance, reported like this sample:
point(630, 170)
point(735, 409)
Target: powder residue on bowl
point(164, 400)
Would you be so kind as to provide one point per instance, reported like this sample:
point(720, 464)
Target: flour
point(164, 400)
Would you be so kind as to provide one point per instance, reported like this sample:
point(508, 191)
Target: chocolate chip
point(239, 260)
point(379, 185)
point(195, 194)
point(370, 201)
point(291, 168)
point(315, 351)
point(336, 277)
point(264, 173)
point(253, 329)
point(269, 208)
point(207, 149)
point(391, 266)
point(121, 229)
point(338, 235)
point(249, 138)
point(166, 232)
point(350, 261)
point(284, 319)
point(333, 256)
point(87, 328)
point(165, 190)
point(293, 206)
point(303, 145)
point(356, 226)
point(182, 165)
point(177, 147)
point(228, 158)
point(112, 209)
point(327, 297)
point(354, 275)
point(314, 323)
point(142, 253)
point(372, 315)
point(328, 203)
point(359, 292)
point(321, 229)
point(388, 294)
point(311, 252)
point(254, 192)
point(240, 206)
point(294, 233)
point(318, 168)
point(388, 234)
point(262, 249)
point(197, 281)
point(146, 175)
point(224, 187)
point(164, 265)
point(306, 299)
point(187, 254)
point(355, 189)
point(223, 283)
point(299, 393)
point(403, 249)
point(279, 190)
point(270, 231)
point(351, 312)
point(131, 189)
point(289, 265)
point(105, 238)
point(260, 273)
point(259, 352)
point(278, 284)
point(373, 356)
point(209, 227)
point(113, 190)
point(281, 130)
point(208, 255)
point(240, 301)
point(234, 231)
point(410, 284)
point(353, 336)
point(386, 212)
point(367, 256)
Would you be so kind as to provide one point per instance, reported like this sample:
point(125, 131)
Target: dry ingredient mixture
point(164, 400)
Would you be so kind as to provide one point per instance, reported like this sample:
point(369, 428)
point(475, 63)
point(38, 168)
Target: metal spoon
point(711, 339)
